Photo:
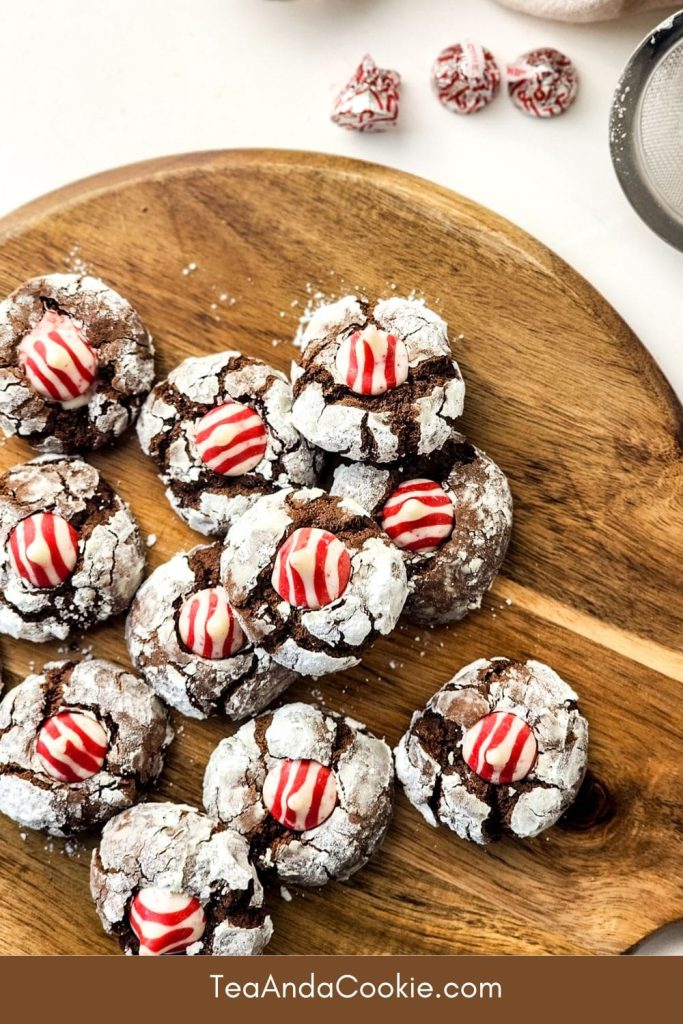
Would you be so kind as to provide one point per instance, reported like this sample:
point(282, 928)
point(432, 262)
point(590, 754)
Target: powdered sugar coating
point(447, 583)
point(415, 418)
point(173, 846)
point(332, 638)
point(198, 687)
point(125, 356)
point(444, 789)
point(363, 770)
point(111, 554)
point(208, 501)
point(138, 731)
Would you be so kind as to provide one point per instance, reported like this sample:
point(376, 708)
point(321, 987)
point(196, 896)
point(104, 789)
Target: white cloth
point(583, 10)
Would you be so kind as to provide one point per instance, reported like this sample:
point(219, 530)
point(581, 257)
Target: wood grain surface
point(224, 250)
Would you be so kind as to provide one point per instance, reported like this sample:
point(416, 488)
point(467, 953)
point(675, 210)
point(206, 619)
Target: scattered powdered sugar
point(74, 261)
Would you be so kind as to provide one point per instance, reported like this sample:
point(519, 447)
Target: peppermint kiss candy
point(58, 362)
point(466, 77)
point(165, 921)
point(43, 549)
point(542, 83)
point(419, 516)
point(208, 627)
point(371, 361)
point(500, 748)
point(72, 746)
point(231, 439)
point(369, 102)
point(312, 568)
point(300, 794)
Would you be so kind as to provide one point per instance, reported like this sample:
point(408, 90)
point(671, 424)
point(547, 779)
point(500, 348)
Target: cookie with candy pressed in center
point(450, 514)
point(313, 579)
point(185, 639)
point(377, 382)
point(76, 362)
point(166, 879)
point(71, 554)
point(311, 790)
point(220, 430)
point(500, 748)
point(79, 742)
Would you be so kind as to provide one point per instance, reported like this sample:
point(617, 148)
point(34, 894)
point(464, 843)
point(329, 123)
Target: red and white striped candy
point(58, 362)
point(300, 794)
point(207, 625)
point(419, 516)
point(500, 748)
point(72, 746)
point(543, 83)
point(312, 568)
point(371, 361)
point(165, 921)
point(466, 77)
point(43, 549)
point(231, 439)
point(369, 102)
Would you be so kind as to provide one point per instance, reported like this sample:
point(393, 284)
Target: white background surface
point(91, 84)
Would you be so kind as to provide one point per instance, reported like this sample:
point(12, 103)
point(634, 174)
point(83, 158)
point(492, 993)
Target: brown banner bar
point(549, 990)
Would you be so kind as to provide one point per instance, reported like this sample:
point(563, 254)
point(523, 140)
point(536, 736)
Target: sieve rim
point(625, 136)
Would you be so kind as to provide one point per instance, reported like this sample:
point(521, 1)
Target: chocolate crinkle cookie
point(76, 362)
point(501, 748)
point(167, 879)
point(185, 639)
point(78, 743)
point(71, 554)
point(377, 383)
point(220, 430)
point(312, 579)
point(311, 790)
point(449, 513)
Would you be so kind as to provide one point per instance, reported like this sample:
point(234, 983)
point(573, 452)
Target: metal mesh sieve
point(646, 130)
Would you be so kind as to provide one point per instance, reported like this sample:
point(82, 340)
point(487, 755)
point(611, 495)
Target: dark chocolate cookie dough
point(184, 639)
point(220, 430)
point(76, 362)
point(79, 742)
point(71, 554)
point(500, 748)
point(451, 515)
point(377, 383)
point(313, 579)
point(170, 859)
point(311, 790)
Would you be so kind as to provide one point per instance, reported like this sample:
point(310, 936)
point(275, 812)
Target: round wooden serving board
point(225, 250)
